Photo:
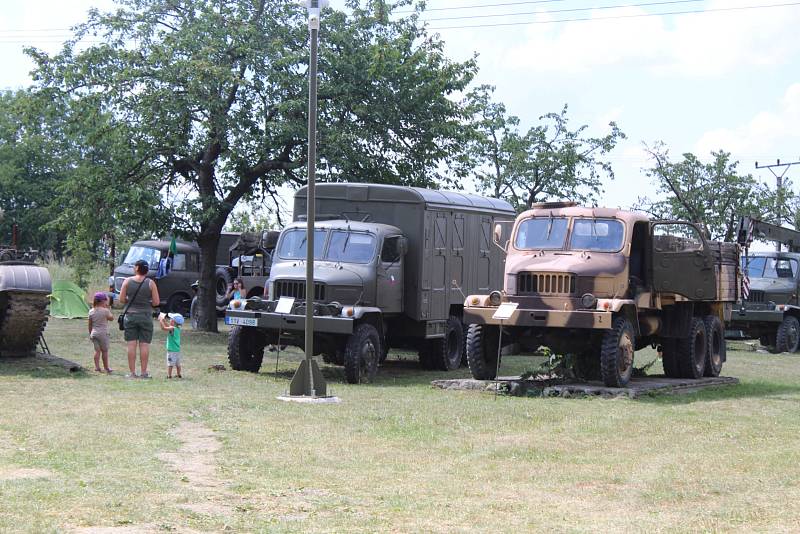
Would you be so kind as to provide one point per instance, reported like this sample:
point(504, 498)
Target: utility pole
point(779, 183)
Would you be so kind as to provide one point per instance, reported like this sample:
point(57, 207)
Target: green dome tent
point(68, 301)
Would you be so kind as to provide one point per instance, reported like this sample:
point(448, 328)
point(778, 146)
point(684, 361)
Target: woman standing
point(138, 312)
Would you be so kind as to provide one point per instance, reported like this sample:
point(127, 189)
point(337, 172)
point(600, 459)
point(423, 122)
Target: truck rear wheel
point(692, 350)
point(669, 358)
point(446, 352)
point(361, 354)
point(788, 338)
point(246, 348)
point(222, 282)
point(616, 353)
point(482, 351)
point(715, 353)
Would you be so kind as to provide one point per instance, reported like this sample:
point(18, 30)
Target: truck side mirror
point(498, 233)
point(402, 246)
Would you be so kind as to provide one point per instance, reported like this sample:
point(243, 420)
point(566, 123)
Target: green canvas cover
point(68, 301)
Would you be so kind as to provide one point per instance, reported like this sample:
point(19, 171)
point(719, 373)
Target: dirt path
point(195, 461)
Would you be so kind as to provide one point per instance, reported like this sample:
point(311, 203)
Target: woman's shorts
point(100, 341)
point(138, 327)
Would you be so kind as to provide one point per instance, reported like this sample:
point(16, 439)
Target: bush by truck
point(392, 265)
point(599, 284)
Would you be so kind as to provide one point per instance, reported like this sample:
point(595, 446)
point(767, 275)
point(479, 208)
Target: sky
point(724, 77)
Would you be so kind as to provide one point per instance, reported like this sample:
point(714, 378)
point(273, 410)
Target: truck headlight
point(588, 301)
point(495, 298)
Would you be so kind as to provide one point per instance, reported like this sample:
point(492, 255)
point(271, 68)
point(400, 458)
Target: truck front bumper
point(288, 322)
point(585, 319)
point(742, 317)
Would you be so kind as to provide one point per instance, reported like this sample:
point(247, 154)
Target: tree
point(212, 97)
point(713, 195)
point(550, 161)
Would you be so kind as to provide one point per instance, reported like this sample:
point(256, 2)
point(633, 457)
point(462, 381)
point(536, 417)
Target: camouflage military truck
point(770, 312)
point(392, 267)
point(600, 284)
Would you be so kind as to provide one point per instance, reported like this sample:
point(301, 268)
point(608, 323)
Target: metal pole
point(311, 199)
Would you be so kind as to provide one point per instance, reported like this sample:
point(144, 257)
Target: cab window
point(390, 253)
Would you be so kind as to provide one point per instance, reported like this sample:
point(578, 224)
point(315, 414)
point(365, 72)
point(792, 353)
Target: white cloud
point(762, 133)
point(698, 45)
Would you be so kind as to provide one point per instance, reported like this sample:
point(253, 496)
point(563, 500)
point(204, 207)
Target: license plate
point(241, 321)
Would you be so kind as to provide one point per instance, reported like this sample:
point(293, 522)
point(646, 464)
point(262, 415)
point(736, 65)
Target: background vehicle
point(771, 310)
point(392, 265)
point(600, 284)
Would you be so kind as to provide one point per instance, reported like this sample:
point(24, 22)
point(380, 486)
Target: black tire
point(464, 355)
point(586, 366)
point(692, 350)
point(788, 338)
point(246, 348)
point(179, 303)
point(482, 351)
point(616, 353)
point(768, 341)
point(446, 352)
point(222, 282)
point(361, 354)
point(715, 353)
point(669, 358)
point(193, 311)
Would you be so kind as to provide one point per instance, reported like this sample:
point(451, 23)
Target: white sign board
point(505, 311)
point(284, 305)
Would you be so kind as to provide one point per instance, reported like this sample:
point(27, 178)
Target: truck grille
point(755, 296)
point(545, 284)
point(297, 289)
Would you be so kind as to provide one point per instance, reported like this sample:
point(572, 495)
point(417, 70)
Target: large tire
point(361, 354)
point(446, 352)
point(246, 348)
point(193, 311)
point(692, 350)
point(715, 353)
point(222, 282)
point(788, 338)
point(669, 358)
point(179, 303)
point(482, 351)
point(769, 341)
point(616, 353)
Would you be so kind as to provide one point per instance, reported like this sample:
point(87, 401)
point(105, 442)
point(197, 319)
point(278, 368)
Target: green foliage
point(713, 195)
point(550, 161)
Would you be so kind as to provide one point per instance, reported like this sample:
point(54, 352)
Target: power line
point(570, 10)
point(614, 17)
point(504, 4)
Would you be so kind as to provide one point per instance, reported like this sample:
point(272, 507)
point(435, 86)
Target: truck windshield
point(351, 247)
point(600, 235)
point(293, 244)
point(765, 267)
point(150, 255)
point(541, 233)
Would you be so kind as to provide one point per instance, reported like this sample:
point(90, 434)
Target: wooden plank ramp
point(637, 387)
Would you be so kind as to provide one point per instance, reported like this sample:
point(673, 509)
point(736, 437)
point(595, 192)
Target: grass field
point(217, 451)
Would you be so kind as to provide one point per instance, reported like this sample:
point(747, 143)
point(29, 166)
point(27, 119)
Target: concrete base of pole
point(309, 400)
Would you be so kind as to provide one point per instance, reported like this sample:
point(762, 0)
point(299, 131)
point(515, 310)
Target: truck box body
point(449, 238)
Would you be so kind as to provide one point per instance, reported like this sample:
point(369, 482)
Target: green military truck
point(600, 284)
point(392, 266)
point(770, 309)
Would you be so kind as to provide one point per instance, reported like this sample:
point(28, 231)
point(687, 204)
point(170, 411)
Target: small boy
point(171, 323)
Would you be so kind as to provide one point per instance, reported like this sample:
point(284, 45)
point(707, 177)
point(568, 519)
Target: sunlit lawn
point(397, 455)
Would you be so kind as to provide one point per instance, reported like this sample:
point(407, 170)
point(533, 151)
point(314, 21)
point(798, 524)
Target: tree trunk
point(208, 240)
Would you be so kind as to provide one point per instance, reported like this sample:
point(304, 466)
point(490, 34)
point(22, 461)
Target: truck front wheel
point(788, 338)
point(715, 353)
point(616, 353)
point(692, 350)
point(361, 354)
point(246, 348)
point(482, 351)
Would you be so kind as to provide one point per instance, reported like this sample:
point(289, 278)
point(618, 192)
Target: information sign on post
point(505, 311)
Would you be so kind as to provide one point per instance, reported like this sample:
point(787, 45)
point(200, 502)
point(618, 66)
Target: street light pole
point(308, 380)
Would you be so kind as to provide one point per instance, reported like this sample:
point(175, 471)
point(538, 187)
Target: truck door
point(440, 292)
point(457, 258)
point(486, 271)
point(390, 276)
point(682, 261)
